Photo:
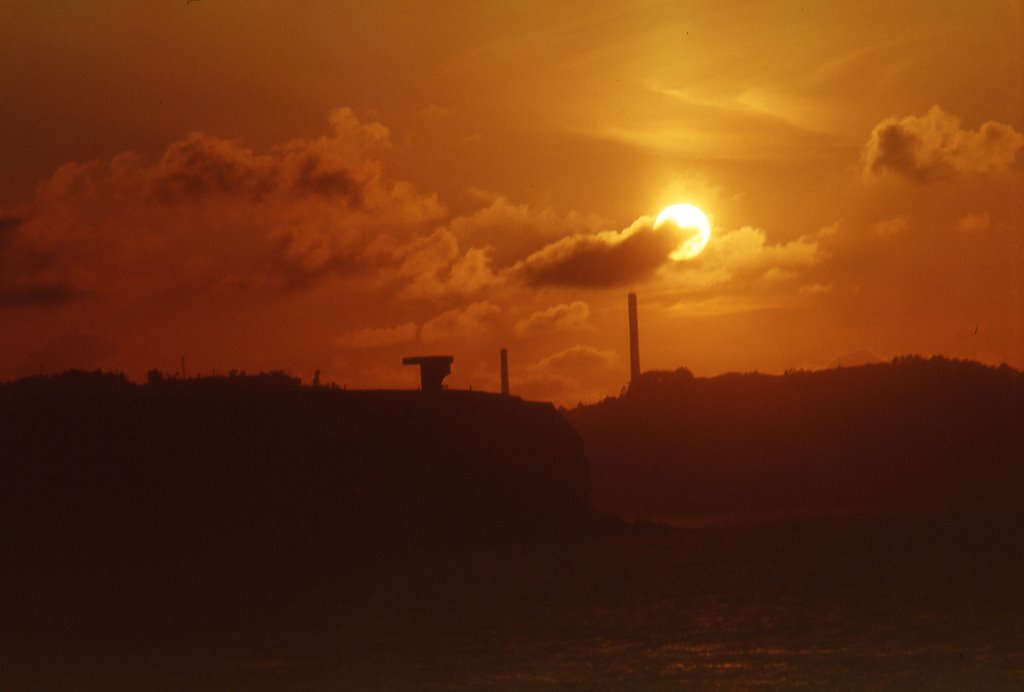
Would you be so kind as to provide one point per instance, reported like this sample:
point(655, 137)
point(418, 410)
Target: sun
point(693, 223)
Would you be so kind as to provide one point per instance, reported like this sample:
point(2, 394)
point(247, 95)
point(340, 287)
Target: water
point(852, 603)
point(870, 602)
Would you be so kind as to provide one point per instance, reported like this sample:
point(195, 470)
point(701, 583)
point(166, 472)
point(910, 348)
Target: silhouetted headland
point(94, 464)
point(910, 433)
point(182, 535)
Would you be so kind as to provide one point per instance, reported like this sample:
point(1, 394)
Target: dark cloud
point(512, 232)
point(600, 260)
point(202, 165)
point(213, 214)
point(934, 147)
point(9, 224)
point(298, 272)
point(23, 281)
point(317, 178)
point(53, 294)
point(8, 227)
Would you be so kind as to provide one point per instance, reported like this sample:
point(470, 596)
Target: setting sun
point(695, 225)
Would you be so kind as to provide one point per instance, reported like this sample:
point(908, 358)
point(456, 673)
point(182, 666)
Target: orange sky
point(324, 185)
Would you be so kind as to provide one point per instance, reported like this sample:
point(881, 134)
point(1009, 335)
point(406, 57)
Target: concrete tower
point(433, 370)
point(634, 341)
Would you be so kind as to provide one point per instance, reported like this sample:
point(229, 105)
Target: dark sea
point(877, 600)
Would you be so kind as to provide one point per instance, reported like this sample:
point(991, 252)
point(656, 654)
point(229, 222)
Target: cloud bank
point(601, 260)
point(468, 322)
point(214, 215)
point(934, 147)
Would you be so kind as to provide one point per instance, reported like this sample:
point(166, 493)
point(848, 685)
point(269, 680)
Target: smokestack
point(504, 371)
point(634, 341)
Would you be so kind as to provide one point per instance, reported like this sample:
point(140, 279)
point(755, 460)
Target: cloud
point(577, 357)
point(733, 260)
point(39, 294)
point(718, 306)
point(895, 225)
point(478, 250)
point(434, 266)
point(343, 166)
point(471, 272)
point(436, 113)
point(568, 376)
point(815, 289)
point(459, 324)
point(201, 166)
point(554, 387)
point(556, 318)
point(974, 222)
point(8, 225)
point(777, 275)
point(511, 232)
point(934, 147)
point(377, 337)
point(601, 260)
point(213, 215)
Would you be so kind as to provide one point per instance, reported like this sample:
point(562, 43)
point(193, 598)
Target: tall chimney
point(634, 341)
point(504, 371)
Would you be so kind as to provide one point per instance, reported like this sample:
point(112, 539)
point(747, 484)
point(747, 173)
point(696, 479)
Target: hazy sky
point(330, 185)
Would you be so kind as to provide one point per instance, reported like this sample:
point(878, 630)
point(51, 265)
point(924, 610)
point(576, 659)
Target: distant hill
point(911, 432)
point(91, 463)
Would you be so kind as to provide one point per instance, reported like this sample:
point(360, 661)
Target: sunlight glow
point(686, 217)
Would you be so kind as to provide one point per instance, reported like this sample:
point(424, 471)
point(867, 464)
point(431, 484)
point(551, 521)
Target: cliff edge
point(93, 464)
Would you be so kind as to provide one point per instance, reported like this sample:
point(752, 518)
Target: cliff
point(94, 464)
point(908, 433)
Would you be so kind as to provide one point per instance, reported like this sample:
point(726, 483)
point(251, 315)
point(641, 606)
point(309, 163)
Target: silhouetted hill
point(92, 463)
point(912, 432)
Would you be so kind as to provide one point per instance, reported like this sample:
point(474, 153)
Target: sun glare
point(693, 223)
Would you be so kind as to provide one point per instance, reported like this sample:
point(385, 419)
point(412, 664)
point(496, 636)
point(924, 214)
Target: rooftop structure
point(433, 370)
